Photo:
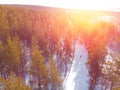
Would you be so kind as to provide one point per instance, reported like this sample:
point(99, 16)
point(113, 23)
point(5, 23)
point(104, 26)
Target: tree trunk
point(39, 84)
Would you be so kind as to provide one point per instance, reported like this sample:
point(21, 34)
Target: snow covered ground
point(77, 78)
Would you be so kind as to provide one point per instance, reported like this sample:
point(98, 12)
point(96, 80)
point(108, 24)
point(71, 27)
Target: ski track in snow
point(77, 78)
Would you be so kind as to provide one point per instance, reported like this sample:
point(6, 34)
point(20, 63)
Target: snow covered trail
point(78, 78)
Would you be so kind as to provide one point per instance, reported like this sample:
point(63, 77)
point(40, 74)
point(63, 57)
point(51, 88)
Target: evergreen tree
point(55, 75)
point(14, 83)
point(12, 51)
point(95, 42)
point(38, 68)
point(2, 59)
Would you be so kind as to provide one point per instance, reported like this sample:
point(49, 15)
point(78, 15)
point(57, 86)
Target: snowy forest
point(37, 47)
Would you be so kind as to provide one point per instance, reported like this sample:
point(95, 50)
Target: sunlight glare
point(74, 4)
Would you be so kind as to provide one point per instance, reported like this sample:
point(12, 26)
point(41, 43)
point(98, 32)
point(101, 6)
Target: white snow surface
point(77, 78)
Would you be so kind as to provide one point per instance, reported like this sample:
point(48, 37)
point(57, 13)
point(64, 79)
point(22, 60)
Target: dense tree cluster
point(30, 39)
point(101, 38)
point(102, 43)
point(39, 42)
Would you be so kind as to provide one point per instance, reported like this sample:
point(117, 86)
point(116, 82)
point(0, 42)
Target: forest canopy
point(39, 42)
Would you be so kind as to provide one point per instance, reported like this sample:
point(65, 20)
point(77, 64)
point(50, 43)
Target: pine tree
point(12, 51)
point(2, 59)
point(55, 75)
point(14, 83)
point(38, 68)
point(95, 42)
point(10, 56)
point(111, 71)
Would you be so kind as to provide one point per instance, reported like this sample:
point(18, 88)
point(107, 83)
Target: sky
point(75, 4)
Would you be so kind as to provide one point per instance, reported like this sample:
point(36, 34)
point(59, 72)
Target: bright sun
point(81, 4)
point(74, 4)
point(92, 4)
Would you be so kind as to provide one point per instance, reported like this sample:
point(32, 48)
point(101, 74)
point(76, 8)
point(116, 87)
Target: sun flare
point(72, 4)
point(91, 4)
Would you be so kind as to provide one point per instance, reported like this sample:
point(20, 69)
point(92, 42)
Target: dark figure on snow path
point(80, 56)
